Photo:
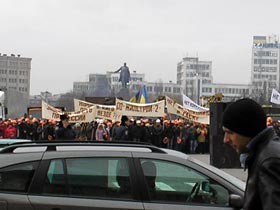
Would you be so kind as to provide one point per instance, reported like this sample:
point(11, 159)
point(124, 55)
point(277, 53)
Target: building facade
point(196, 80)
point(15, 73)
point(265, 66)
point(194, 75)
point(15, 82)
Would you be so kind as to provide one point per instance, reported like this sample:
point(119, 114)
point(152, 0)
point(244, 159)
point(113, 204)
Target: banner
point(195, 116)
point(50, 112)
point(275, 97)
point(141, 110)
point(190, 104)
point(80, 105)
point(80, 117)
point(107, 112)
point(99, 111)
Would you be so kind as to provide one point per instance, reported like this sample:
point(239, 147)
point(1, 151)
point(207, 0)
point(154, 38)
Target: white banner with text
point(155, 109)
point(179, 110)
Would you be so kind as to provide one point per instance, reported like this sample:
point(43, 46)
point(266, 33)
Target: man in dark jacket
point(122, 132)
point(157, 133)
point(64, 130)
point(244, 124)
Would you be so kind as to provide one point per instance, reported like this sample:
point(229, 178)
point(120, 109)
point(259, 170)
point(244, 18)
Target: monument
point(124, 75)
point(124, 79)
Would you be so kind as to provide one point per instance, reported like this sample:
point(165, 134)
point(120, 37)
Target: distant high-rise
point(15, 82)
point(15, 73)
point(265, 66)
point(194, 76)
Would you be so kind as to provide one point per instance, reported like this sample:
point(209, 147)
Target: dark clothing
point(138, 133)
point(122, 133)
point(23, 129)
point(157, 135)
point(63, 133)
point(48, 129)
point(263, 163)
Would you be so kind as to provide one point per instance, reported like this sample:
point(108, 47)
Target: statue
point(124, 75)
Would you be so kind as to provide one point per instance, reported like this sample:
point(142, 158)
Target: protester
point(201, 139)
point(49, 130)
point(157, 133)
point(11, 131)
point(244, 124)
point(138, 132)
point(100, 134)
point(64, 130)
point(122, 132)
point(192, 137)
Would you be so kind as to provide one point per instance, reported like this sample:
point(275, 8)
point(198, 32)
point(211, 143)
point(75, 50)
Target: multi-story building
point(15, 82)
point(265, 66)
point(193, 75)
point(15, 73)
point(196, 80)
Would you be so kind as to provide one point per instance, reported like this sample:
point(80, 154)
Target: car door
point(172, 184)
point(14, 184)
point(87, 180)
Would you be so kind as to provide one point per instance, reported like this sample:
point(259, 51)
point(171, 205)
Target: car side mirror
point(235, 201)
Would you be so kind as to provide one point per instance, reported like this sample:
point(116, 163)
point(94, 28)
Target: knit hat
point(64, 117)
point(245, 117)
point(124, 118)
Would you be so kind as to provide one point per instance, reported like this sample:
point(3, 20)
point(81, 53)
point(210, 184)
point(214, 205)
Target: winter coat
point(263, 163)
point(63, 133)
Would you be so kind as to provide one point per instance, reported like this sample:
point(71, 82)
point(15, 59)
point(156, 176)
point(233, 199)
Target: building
point(265, 66)
point(15, 73)
point(193, 76)
point(15, 82)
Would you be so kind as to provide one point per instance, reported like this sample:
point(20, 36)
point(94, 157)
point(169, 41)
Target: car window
point(172, 182)
point(55, 182)
point(18, 177)
point(90, 177)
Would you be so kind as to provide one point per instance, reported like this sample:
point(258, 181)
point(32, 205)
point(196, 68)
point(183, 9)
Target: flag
point(275, 97)
point(190, 104)
point(144, 96)
point(135, 98)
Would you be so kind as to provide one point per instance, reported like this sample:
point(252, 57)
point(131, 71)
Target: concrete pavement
point(239, 173)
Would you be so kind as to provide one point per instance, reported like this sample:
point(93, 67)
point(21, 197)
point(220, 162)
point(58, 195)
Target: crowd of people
point(178, 134)
point(175, 134)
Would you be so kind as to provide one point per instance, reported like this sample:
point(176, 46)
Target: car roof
point(41, 146)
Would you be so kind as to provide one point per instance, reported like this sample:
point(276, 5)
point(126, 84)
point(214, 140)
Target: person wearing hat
point(122, 132)
point(157, 133)
point(64, 130)
point(244, 124)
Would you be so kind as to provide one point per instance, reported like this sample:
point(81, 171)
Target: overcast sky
point(70, 39)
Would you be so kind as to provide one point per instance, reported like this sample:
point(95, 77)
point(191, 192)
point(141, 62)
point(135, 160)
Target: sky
point(70, 39)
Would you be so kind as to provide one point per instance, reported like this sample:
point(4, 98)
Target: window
point(90, 177)
point(18, 177)
point(182, 185)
